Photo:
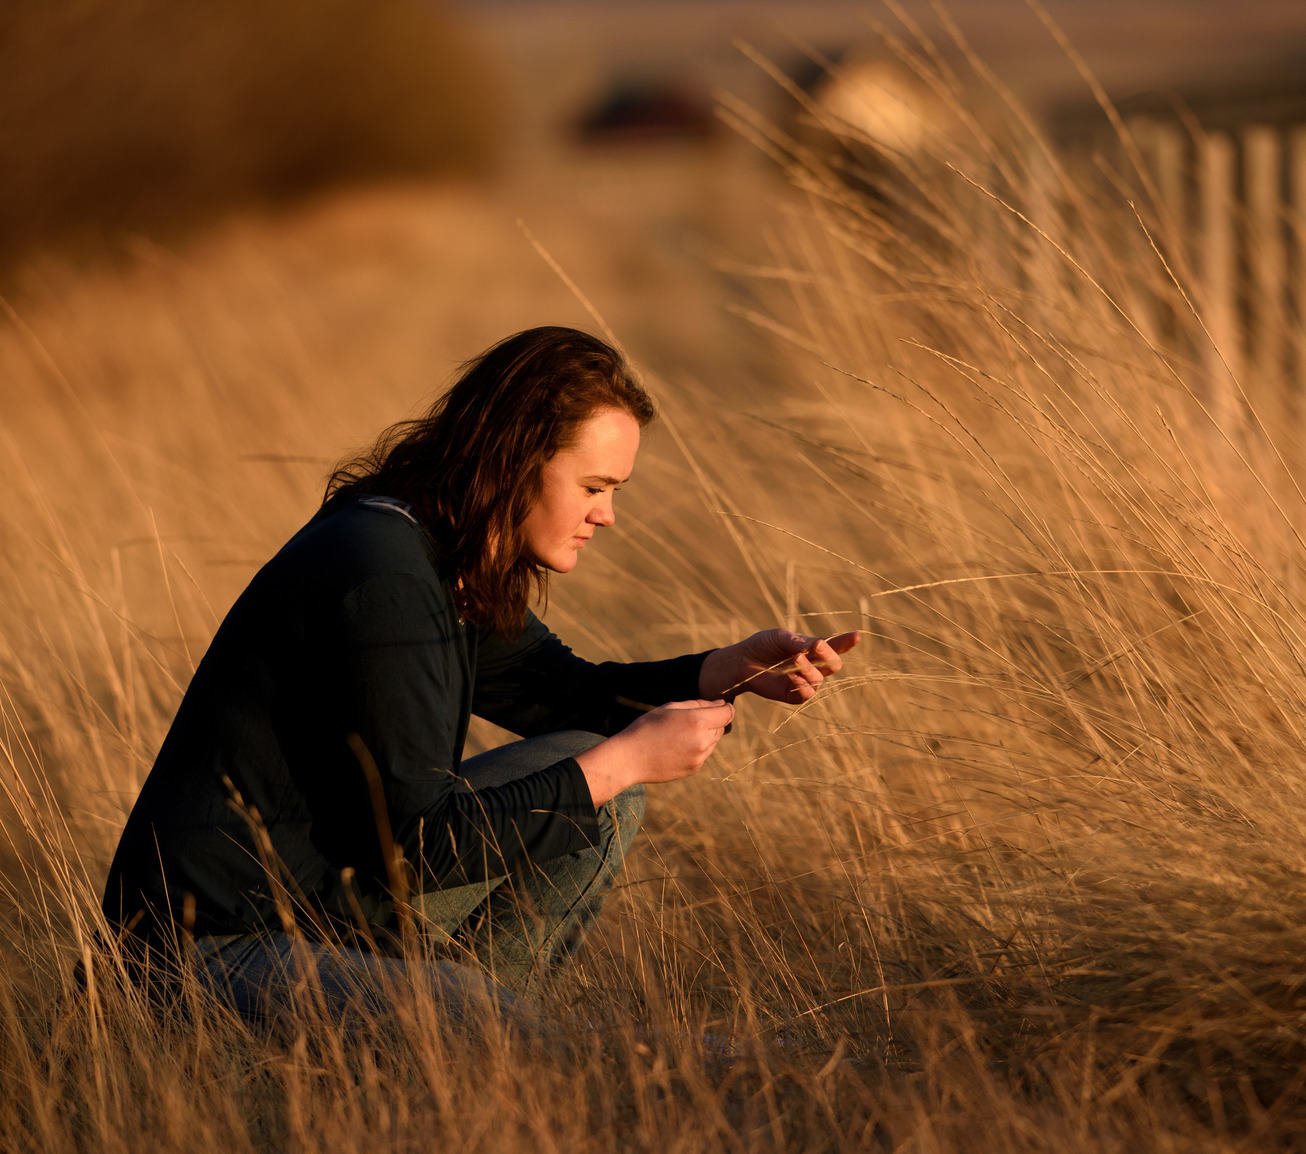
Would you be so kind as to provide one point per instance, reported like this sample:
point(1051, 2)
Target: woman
point(310, 799)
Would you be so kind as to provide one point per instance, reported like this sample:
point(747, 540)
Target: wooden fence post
point(1216, 160)
point(1162, 144)
point(1267, 264)
point(1297, 221)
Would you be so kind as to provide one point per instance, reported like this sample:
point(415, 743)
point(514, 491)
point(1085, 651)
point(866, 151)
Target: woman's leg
point(524, 927)
point(519, 928)
point(274, 979)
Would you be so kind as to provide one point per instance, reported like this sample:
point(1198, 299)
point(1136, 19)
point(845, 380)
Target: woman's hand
point(667, 743)
point(776, 663)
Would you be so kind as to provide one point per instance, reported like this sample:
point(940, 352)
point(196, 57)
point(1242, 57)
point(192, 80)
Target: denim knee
point(628, 809)
point(627, 806)
point(570, 742)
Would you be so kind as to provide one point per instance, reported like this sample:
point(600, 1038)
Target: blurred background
point(145, 113)
point(146, 122)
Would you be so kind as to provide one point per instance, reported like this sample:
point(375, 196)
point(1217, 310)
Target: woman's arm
point(675, 740)
point(534, 684)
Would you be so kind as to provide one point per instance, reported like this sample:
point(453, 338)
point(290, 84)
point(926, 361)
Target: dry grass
point(1029, 878)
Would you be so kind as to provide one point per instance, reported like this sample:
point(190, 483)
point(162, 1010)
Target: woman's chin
point(559, 563)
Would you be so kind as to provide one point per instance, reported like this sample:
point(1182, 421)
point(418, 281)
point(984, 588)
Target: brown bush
point(150, 114)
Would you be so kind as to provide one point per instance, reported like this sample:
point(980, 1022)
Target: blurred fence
point(1217, 179)
point(1225, 178)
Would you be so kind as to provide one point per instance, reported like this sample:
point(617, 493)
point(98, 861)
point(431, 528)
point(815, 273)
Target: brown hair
point(472, 466)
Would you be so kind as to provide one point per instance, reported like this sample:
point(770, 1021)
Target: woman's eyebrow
point(606, 480)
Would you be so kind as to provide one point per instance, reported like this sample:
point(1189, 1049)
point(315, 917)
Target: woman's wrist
point(718, 676)
point(608, 768)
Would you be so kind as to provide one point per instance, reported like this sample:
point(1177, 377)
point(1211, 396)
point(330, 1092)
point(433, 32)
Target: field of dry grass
point(1028, 877)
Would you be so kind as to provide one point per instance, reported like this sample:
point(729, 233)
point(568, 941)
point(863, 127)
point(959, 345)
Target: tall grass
point(1027, 877)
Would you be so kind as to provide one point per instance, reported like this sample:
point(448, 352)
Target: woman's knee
point(570, 742)
point(522, 758)
point(630, 803)
point(627, 812)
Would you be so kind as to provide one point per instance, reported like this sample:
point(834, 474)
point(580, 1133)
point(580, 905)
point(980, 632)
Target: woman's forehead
point(605, 443)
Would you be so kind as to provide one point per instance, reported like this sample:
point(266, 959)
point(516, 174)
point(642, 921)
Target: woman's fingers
point(790, 666)
point(806, 671)
point(819, 660)
point(708, 719)
point(710, 710)
point(825, 654)
point(844, 641)
point(717, 716)
point(816, 662)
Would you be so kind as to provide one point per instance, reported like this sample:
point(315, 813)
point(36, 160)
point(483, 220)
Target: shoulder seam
point(391, 505)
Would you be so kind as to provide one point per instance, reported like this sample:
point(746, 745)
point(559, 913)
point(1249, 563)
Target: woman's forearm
point(609, 769)
point(718, 676)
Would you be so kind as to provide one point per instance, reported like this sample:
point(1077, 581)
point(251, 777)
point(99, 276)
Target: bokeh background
point(124, 126)
point(147, 121)
point(597, 125)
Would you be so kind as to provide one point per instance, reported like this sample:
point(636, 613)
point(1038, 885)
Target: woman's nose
point(603, 512)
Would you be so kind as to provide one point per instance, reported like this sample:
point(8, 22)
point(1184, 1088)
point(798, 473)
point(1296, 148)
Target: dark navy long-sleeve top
point(259, 798)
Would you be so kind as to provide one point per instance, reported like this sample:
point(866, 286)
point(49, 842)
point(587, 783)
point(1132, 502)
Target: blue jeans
point(488, 943)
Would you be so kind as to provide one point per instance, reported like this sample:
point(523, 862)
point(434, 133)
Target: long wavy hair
point(472, 466)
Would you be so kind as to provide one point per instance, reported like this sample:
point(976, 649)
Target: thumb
point(695, 703)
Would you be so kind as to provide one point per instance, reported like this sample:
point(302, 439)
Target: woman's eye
point(593, 492)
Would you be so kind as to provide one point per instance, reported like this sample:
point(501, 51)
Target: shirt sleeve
point(408, 669)
point(535, 684)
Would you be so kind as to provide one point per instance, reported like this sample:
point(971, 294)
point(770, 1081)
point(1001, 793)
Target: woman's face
point(578, 483)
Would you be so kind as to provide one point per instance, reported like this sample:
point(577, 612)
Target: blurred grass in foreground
point(1027, 878)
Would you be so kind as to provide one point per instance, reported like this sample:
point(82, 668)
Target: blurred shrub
point(155, 113)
